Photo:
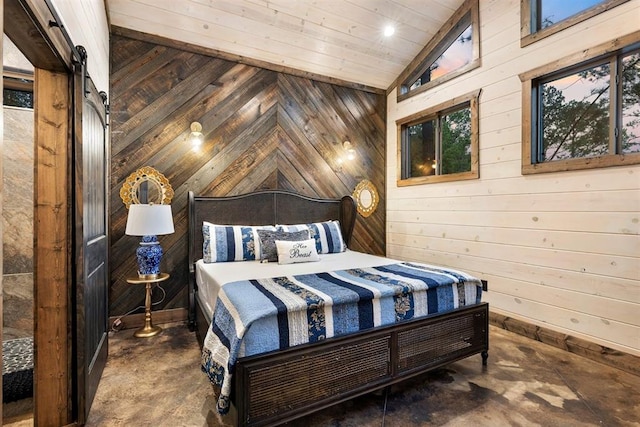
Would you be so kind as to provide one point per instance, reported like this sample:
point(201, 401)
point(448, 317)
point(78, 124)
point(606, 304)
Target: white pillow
point(299, 251)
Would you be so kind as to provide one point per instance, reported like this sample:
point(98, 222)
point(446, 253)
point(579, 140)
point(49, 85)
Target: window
point(586, 115)
point(458, 53)
point(453, 51)
point(542, 18)
point(440, 144)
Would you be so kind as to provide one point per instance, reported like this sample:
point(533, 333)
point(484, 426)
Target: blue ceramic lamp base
point(149, 255)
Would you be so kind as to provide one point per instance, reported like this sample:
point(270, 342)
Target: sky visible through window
point(459, 54)
point(576, 115)
point(554, 11)
point(579, 104)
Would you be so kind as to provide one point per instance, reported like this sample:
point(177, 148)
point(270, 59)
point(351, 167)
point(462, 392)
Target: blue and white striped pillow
point(222, 243)
point(327, 235)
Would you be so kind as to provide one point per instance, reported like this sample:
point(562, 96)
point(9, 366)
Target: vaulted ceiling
point(342, 39)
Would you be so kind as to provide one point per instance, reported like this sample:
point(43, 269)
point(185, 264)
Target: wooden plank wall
point(263, 130)
point(559, 250)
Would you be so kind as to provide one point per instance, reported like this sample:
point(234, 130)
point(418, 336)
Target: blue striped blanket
point(257, 316)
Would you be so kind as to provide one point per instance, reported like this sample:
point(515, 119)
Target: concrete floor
point(157, 382)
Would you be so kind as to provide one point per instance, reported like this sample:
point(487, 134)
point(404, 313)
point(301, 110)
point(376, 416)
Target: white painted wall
point(86, 23)
point(560, 250)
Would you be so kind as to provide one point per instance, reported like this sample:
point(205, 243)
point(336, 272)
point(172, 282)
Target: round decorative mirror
point(146, 185)
point(366, 197)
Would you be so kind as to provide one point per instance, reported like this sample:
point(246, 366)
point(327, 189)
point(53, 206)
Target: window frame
point(528, 12)
point(470, 98)
point(466, 13)
point(606, 51)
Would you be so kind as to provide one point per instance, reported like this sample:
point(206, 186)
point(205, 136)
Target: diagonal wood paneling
point(262, 129)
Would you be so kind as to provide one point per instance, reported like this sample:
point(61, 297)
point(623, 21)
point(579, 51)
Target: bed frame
point(280, 386)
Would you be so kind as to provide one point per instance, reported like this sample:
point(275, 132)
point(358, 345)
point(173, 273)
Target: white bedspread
point(211, 276)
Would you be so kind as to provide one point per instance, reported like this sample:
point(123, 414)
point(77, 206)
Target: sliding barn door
point(91, 237)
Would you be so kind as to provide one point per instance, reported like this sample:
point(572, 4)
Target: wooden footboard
point(277, 387)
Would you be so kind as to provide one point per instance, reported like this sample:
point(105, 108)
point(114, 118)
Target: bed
point(283, 384)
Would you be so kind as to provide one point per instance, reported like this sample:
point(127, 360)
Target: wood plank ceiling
point(341, 39)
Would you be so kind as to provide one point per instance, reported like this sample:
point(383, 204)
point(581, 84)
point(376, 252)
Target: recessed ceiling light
point(389, 30)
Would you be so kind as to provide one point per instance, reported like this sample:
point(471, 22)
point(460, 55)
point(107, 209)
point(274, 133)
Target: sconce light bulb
point(351, 153)
point(197, 139)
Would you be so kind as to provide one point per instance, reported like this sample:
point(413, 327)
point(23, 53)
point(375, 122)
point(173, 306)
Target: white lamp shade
point(149, 220)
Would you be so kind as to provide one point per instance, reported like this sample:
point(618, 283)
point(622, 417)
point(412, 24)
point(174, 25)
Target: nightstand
point(148, 330)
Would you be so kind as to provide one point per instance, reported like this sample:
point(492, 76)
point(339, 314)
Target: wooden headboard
point(268, 207)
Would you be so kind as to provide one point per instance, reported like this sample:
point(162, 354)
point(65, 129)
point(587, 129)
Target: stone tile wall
point(17, 217)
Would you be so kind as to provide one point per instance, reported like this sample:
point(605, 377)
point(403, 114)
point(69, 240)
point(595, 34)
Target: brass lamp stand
point(148, 330)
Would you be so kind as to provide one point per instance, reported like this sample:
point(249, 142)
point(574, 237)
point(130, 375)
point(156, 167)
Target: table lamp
point(149, 221)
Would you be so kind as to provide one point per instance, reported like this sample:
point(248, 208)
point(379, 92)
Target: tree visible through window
point(456, 142)
point(577, 113)
point(585, 115)
point(630, 114)
point(440, 144)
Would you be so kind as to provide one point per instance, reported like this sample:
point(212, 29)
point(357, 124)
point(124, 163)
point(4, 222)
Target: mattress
point(210, 277)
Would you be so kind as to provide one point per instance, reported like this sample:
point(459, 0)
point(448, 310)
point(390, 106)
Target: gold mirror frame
point(366, 197)
point(130, 188)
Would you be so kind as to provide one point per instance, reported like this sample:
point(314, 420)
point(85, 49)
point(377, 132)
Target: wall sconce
point(348, 147)
point(196, 137)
